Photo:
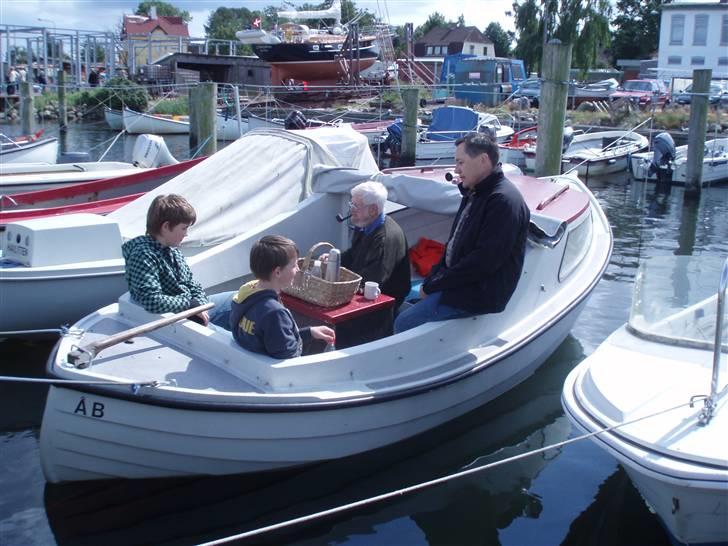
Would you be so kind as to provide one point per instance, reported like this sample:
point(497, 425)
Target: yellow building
point(150, 38)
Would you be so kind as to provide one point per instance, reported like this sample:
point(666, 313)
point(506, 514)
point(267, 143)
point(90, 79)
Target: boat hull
point(693, 509)
point(138, 123)
point(114, 119)
point(78, 445)
point(715, 164)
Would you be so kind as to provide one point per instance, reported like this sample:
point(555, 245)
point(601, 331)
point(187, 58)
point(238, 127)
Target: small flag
point(256, 22)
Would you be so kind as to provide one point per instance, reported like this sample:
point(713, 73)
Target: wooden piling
point(411, 100)
point(26, 108)
point(552, 107)
point(696, 131)
point(62, 112)
point(203, 118)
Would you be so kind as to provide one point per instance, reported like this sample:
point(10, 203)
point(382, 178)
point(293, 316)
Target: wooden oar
point(81, 357)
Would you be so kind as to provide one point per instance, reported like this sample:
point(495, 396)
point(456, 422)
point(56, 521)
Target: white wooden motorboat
point(139, 122)
point(715, 164)
point(75, 261)
point(28, 150)
point(512, 150)
point(203, 405)
point(663, 367)
point(228, 127)
point(598, 153)
point(114, 118)
point(149, 151)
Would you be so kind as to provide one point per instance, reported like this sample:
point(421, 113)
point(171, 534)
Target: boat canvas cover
point(262, 174)
point(457, 120)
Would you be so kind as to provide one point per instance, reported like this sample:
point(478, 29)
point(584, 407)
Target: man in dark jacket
point(483, 259)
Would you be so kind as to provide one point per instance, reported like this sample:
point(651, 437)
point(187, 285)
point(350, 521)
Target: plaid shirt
point(159, 278)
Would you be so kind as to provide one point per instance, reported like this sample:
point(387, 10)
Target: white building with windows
point(693, 35)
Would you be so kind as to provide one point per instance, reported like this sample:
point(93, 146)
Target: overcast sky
point(106, 15)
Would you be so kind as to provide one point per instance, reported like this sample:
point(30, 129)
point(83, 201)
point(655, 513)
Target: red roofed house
point(150, 38)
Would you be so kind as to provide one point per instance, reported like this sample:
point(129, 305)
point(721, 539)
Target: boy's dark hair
point(171, 208)
point(479, 143)
point(270, 252)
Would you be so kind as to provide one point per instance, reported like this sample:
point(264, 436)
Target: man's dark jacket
point(381, 256)
point(487, 259)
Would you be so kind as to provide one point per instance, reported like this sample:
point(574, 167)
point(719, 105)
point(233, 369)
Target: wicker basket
point(319, 291)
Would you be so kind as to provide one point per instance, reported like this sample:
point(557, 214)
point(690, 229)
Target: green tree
point(500, 38)
point(163, 8)
point(435, 19)
point(582, 23)
point(223, 23)
point(636, 32)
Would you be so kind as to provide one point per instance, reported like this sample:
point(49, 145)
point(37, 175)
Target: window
point(700, 34)
point(697, 60)
point(472, 49)
point(485, 50)
point(430, 50)
point(724, 31)
point(677, 27)
point(722, 61)
point(674, 59)
point(250, 73)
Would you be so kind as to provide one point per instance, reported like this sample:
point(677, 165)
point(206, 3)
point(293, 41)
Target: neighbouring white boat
point(28, 150)
point(114, 118)
point(228, 127)
point(203, 405)
point(75, 260)
point(139, 122)
point(664, 364)
point(511, 151)
point(437, 141)
point(149, 151)
point(715, 163)
point(598, 153)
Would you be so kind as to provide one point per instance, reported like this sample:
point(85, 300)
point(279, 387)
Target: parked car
point(530, 88)
point(718, 93)
point(643, 93)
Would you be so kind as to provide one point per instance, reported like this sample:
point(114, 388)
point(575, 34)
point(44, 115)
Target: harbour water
point(575, 495)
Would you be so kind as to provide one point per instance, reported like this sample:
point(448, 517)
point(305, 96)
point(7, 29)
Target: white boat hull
point(16, 177)
point(114, 119)
point(445, 149)
point(78, 446)
point(39, 151)
point(138, 123)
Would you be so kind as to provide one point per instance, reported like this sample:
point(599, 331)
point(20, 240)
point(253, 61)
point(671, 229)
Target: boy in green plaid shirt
point(157, 273)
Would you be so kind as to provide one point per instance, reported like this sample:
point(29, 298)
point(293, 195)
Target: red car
point(643, 93)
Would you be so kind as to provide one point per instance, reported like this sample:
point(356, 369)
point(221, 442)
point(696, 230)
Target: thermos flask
point(332, 265)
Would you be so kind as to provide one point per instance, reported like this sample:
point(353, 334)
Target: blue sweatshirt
point(260, 323)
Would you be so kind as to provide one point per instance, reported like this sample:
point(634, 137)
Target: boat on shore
point(715, 164)
point(86, 271)
point(657, 392)
point(299, 53)
point(229, 411)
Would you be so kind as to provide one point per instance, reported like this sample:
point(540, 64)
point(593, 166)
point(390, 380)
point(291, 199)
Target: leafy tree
point(636, 32)
point(461, 20)
point(582, 23)
point(435, 19)
point(500, 38)
point(117, 93)
point(163, 8)
point(223, 23)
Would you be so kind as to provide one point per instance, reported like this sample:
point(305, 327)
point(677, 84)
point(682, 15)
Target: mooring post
point(696, 130)
point(203, 119)
point(411, 100)
point(552, 107)
point(26, 107)
point(62, 113)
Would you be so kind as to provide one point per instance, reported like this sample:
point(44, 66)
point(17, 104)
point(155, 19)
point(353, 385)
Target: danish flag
point(256, 22)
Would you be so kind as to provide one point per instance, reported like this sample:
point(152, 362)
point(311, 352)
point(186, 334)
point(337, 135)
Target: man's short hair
point(270, 252)
point(480, 143)
point(171, 208)
point(371, 193)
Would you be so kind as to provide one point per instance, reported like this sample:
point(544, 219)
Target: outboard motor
point(393, 142)
point(295, 120)
point(487, 130)
point(151, 151)
point(663, 154)
point(568, 137)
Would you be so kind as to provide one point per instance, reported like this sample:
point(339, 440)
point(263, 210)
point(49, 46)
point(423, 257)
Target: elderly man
point(378, 253)
point(483, 259)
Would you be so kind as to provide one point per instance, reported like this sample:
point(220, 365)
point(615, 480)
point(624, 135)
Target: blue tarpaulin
point(457, 120)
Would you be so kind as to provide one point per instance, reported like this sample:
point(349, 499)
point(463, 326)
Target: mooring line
point(436, 481)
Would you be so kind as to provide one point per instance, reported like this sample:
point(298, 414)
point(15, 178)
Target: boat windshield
point(675, 301)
